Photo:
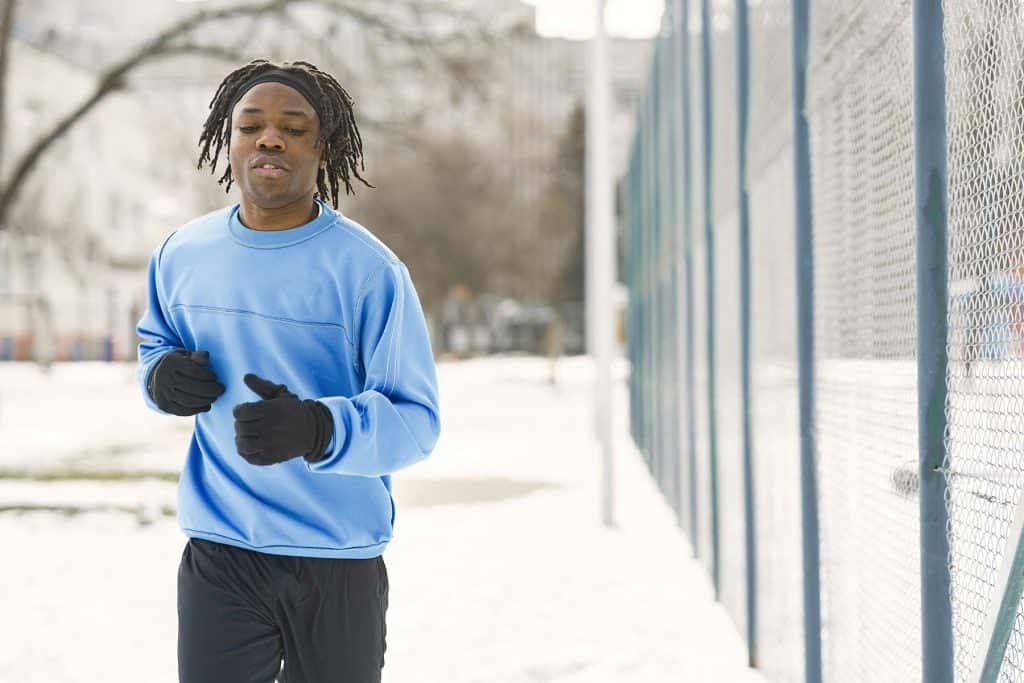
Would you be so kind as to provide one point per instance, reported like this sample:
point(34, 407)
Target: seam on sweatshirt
point(161, 298)
point(395, 306)
point(349, 227)
point(263, 316)
point(395, 348)
point(363, 291)
point(365, 287)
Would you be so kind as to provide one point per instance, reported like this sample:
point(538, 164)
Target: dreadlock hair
point(338, 131)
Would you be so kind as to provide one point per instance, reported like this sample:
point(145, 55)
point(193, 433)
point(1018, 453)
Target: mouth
point(269, 171)
point(269, 168)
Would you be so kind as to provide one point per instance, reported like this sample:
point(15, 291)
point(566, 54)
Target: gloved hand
point(181, 383)
point(281, 426)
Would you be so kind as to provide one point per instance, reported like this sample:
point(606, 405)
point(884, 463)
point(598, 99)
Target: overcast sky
point(575, 18)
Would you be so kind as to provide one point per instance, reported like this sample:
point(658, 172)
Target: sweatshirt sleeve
point(157, 335)
point(394, 422)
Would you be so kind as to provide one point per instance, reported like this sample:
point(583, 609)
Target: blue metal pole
point(691, 374)
point(678, 402)
point(709, 257)
point(655, 265)
point(671, 337)
point(805, 346)
point(671, 69)
point(649, 272)
point(656, 268)
point(665, 225)
point(638, 263)
point(650, 279)
point(627, 202)
point(742, 116)
point(644, 265)
point(930, 194)
point(635, 296)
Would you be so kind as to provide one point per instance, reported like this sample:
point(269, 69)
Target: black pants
point(241, 612)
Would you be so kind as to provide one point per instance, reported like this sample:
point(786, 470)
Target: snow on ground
point(500, 569)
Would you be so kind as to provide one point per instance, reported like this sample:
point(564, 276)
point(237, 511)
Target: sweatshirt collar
point(273, 239)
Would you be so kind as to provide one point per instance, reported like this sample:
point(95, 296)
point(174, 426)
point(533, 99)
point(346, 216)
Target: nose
point(270, 140)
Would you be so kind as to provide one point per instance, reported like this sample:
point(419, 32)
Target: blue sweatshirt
point(328, 310)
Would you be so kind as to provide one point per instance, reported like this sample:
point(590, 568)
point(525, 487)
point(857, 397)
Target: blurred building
point(537, 84)
point(72, 259)
point(74, 250)
point(548, 79)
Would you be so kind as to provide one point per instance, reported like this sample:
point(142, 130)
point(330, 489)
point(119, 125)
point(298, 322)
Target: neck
point(299, 212)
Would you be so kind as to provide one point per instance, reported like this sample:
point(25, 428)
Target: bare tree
point(450, 210)
point(432, 32)
point(444, 207)
point(562, 217)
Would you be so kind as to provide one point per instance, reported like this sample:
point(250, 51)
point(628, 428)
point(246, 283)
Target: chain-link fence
point(824, 230)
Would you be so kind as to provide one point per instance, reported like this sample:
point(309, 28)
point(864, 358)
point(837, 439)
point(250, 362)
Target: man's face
point(272, 153)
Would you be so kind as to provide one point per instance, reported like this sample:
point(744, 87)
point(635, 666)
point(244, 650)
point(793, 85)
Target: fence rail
point(824, 248)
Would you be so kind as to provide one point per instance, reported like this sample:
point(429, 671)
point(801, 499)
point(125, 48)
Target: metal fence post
point(650, 278)
point(655, 273)
point(932, 326)
point(644, 270)
point(709, 257)
point(628, 273)
point(687, 194)
point(679, 261)
point(657, 265)
point(672, 220)
point(742, 114)
point(668, 224)
point(805, 346)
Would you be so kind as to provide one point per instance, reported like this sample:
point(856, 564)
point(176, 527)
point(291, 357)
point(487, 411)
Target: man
point(297, 340)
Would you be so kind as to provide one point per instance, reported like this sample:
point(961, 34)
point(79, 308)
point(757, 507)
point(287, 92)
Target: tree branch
point(430, 42)
point(164, 44)
point(112, 79)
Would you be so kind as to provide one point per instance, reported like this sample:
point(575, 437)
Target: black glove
point(181, 383)
point(280, 427)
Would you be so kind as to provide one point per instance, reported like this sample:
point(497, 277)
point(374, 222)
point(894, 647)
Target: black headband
point(279, 76)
